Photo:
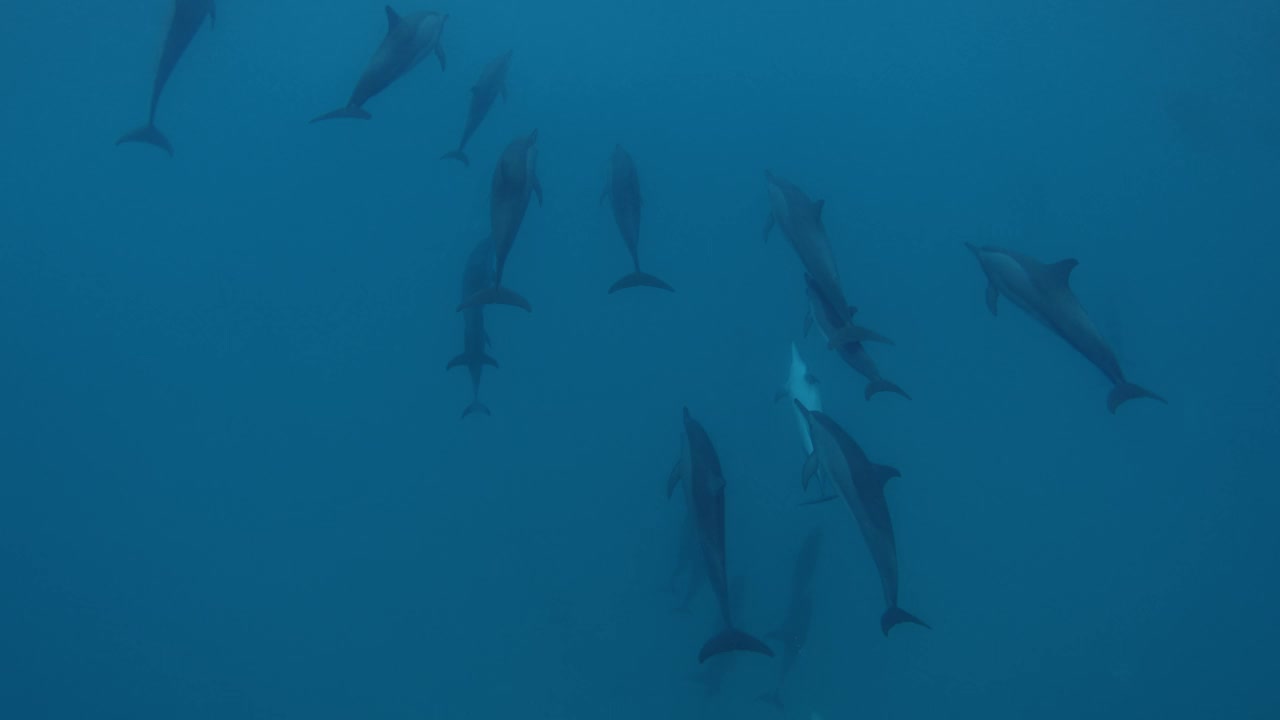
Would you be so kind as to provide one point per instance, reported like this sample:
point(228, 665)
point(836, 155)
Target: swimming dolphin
point(624, 190)
point(492, 83)
point(409, 39)
point(861, 482)
point(188, 16)
point(699, 466)
point(1044, 292)
point(803, 386)
point(514, 181)
point(800, 220)
point(478, 275)
point(794, 631)
point(848, 341)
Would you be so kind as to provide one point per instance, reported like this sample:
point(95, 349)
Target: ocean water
point(233, 478)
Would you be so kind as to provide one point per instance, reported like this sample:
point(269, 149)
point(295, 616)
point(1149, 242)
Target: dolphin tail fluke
point(496, 296)
point(774, 698)
point(882, 385)
point(465, 360)
point(895, 616)
point(1125, 391)
point(148, 134)
point(851, 333)
point(640, 279)
point(476, 407)
point(457, 155)
point(350, 112)
point(733, 640)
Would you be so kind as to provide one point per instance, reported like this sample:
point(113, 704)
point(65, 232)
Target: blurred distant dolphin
point(1044, 292)
point(409, 39)
point(188, 16)
point(492, 82)
point(794, 631)
point(848, 339)
point(478, 275)
point(800, 220)
point(624, 191)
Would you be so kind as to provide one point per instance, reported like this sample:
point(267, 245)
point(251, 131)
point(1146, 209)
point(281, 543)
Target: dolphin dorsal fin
point(393, 18)
point(1060, 272)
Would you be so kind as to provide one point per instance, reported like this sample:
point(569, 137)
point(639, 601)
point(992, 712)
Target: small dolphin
point(800, 220)
point(492, 83)
point(188, 16)
point(514, 181)
point(477, 276)
point(794, 631)
point(624, 190)
point(699, 467)
point(1044, 292)
point(848, 341)
point(409, 39)
point(861, 482)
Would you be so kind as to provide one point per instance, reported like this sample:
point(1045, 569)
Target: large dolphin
point(624, 192)
point(794, 631)
point(409, 39)
point(848, 341)
point(861, 482)
point(477, 276)
point(514, 181)
point(699, 466)
point(800, 220)
point(188, 16)
point(492, 83)
point(1044, 292)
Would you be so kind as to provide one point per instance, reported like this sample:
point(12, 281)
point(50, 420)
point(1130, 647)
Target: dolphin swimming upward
point(477, 276)
point(624, 190)
point(492, 83)
point(409, 39)
point(1044, 292)
point(188, 16)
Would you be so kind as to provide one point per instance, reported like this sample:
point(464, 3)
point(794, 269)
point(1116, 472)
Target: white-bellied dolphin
point(492, 83)
point(514, 181)
point(847, 339)
point(861, 482)
point(409, 39)
point(624, 192)
point(699, 466)
point(475, 340)
point(188, 16)
point(1044, 292)
point(800, 220)
point(793, 633)
point(803, 386)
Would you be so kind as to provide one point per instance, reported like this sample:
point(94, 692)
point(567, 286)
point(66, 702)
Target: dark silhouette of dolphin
point(188, 16)
point(624, 192)
point(477, 276)
point(848, 339)
point(1044, 292)
point(794, 631)
point(800, 220)
point(492, 83)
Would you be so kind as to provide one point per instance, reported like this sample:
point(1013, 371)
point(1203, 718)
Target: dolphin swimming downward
point(492, 83)
point(478, 275)
point(624, 192)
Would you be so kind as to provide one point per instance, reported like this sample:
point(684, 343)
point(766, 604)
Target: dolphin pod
point(492, 83)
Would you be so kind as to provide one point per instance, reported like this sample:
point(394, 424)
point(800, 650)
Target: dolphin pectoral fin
point(856, 334)
point(444, 61)
point(732, 640)
point(896, 615)
point(458, 155)
point(992, 295)
point(476, 407)
point(884, 473)
point(808, 323)
point(768, 226)
point(148, 134)
point(458, 360)
point(496, 296)
point(809, 470)
point(1126, 391)
point(639, 279)
point(882, 385)
point(350, 111)
point(674, 478)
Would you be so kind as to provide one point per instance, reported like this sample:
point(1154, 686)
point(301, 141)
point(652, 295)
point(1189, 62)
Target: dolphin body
point(800, 220)
point(624, 192)
point(188, 17)
point(848, 341)
point(1044, 292)
point(861, 482)
point(803, 387)
point(409, 39)
point(699, 468)
point(515, 180)
point(477, 276)
point(794, 631)
point(492, 83)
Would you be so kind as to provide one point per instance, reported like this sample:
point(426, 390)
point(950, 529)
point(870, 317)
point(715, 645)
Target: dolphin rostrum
point(800, 220)
point(478, 275)
point(188, 16)
point(409, 39)
point(861, 482)
point(794, 631)
point(492, 83)
point(848, 341)
point(514, 181)
point(624, 191)
point(699, 466)
point(1044, 292)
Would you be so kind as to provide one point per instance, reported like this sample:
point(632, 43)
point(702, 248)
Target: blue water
point(234, 483)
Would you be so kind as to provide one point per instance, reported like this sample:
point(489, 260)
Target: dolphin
point(800, 220)
point(711, 676)
point(848, 341)
point(514, 181)
point(794, 631)
point(477, 275)
point(861, 482)
point(803, 386)
point(492, 83)
point(699, 468)
point(624, 191)
point(409, 39)
point(1044, 292)
point(188, 17)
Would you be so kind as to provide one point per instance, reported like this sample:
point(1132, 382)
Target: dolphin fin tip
point(149, 135)
point(354, 113)
point(1126, 391)
point(732, 640)
point(896, 616)
point(640, 279)
point(459, 156)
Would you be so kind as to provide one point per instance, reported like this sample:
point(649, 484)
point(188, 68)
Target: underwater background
point(234, 482)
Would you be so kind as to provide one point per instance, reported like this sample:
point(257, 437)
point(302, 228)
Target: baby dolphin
point(700, 467)
point(492, 83)
point(624, 190)
point(514, 181)
point(409, 39)
point(848, 339)
point(477, 276)
point(188, 16)
point(861, 482)
point(1044, 292)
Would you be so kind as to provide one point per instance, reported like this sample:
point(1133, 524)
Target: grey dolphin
point(861, 482)
point(711, 676)
point(624, 192)
point(492, 83)
point(409, 39)
point(1044, 292)
point(794, 631)
point(699, 466)
point(848, 341)
point(514, 181)
point(188, 16)
point(800, 220)
point(477, 276)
